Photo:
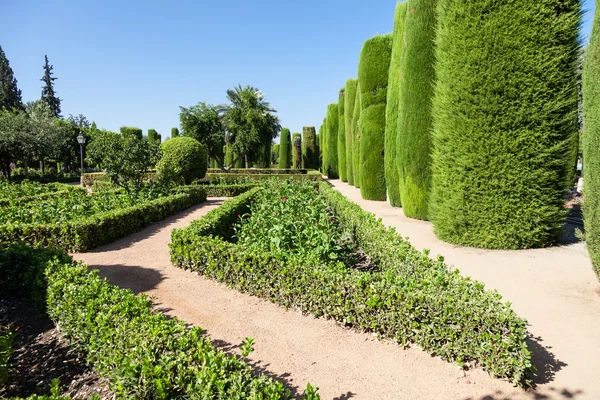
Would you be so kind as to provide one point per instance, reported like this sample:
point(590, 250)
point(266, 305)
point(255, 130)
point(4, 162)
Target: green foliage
point(153, 136)
point(331, 145)
point(10, 95)
point(203, 123)
point(290, 221)
point(226, 189)
point(356, 138)
point(591, 144)
point(93, 230)
point(174, 132)
point(409, 297)
point(142, 353)
point(132, 130)
point(373, 71)
point(48, 94)
point(349, 100)
point(125, 157)
point(324, 145)
point(297, 151)
point(310, 150)
point(183, 160)
point(285, 149)
point(341, 136)
point(392, 110)
point(417, 77)
point(13, 191)
point(6, 341)
point(505, 132)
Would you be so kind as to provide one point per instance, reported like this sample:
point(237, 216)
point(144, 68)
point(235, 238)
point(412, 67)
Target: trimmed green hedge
point(132, 130)
point(285, 144)
point(591, 144)
point(260, 171)
point(238, 178)
point(142, 353)
point(227, 190)
point(356, 138)
point(85, 234)
point(331, 146)
point(310, 148)
point(411, 298)
point(183, 160)
point(373, 71)
point(341, 136)
point(349, 100)
point(415, 121)
point(505, 132)
point(392, 109)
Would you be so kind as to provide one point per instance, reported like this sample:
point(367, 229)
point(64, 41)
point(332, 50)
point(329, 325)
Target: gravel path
point(349, 365)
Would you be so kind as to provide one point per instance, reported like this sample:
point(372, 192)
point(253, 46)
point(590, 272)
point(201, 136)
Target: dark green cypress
point(152, 135)
point(132, 130)
point(392, 110)
point(356, 138)
point(417, 77)
point(341, 137)
point(174, 132)
point(591, 144)
point(284, 149)
point(373, 70)
point(297, 151)
point(349, 99)
point(10, 95)
point(48, 93)
point(505, 120)
point(310, 149)
point(331, 145)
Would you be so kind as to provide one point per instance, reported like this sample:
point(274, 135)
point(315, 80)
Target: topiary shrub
point(591, 144)
point(373, 70)
point(417, 76)
point(183, 160)
point(349, 99)
point(174, 132)
point(356, 138)
point(131, 130)
point(284, 149)
point(331, 145)
point(504, 132)
point(341, 137)
point(297, 151)
point(391, 112)
point(153, 135)
point(310, 150)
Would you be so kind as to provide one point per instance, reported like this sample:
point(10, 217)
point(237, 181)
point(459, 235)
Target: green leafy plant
point(183, 160)
point(6, 341)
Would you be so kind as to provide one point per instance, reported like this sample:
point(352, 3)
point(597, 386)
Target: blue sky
point(134, 63)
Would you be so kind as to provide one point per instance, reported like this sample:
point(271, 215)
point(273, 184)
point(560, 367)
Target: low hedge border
point(48, 179)
point(413, 299)
point(239, 178)
point(261, 171)
point(221, 190)
point(42, 196)
point(85, 234)
point(142, 353)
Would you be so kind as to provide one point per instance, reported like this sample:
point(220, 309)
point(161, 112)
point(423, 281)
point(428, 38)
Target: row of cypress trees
point(466, 115)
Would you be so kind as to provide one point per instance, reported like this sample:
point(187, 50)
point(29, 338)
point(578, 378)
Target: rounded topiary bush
point(505, 113)
point(183, 160)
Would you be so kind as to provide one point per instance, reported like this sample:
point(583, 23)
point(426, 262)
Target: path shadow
point(572, 228)
point(136, 278)
point(545, 362)
point(152, 229)
point(556, 395)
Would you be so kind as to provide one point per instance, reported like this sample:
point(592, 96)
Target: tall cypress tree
point(284, 149)
point(356, 138)
point(10, 95)
point(297, 161)
point(174, 132)
point(152, 135)
point(505, 130)
point(310, 148)
point(417, 76)
point(341, 137)
point(349, 98)
point(332, 132)
point(393, 102)
point(591, 144)
point(373, 71)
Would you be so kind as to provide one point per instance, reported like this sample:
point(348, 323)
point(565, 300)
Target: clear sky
point(134, 63)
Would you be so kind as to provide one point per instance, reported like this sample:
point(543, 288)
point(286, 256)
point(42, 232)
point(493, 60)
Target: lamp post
point(81, 141)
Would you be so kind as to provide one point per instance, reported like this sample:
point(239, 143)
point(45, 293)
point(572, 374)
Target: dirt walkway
point(344, 364)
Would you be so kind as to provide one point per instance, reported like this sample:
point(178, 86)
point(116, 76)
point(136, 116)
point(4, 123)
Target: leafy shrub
point(331, 145)
point(143, 354)
point(12, 191)
point(373, 70)
point(392, 109)
point(6, 341)
point(349, 100)
point(591, 144)
point(505, 132)
point(411, 298)
point(183, 160)
point(133, 131)
point(341, 136)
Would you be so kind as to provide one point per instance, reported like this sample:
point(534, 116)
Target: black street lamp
point(81, 141)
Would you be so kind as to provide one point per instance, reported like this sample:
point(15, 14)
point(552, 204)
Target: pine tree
point(505, 114)
point(10, 95)
point(48, 94)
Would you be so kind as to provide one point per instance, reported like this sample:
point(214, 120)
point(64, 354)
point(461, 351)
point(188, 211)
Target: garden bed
point(403, 295)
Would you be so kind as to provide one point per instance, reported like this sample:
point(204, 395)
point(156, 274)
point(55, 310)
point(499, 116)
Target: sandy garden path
point(546, 287)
